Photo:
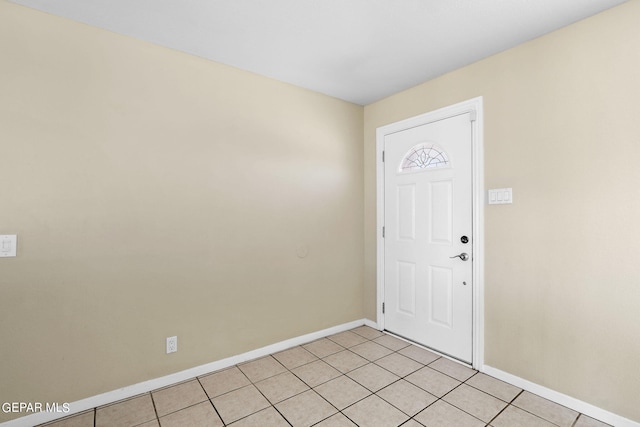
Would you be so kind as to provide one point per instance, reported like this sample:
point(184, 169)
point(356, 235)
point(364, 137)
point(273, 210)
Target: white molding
point(475, 106)
point(560, 398)
point(478, 231)
point(380, 134)
point(147, 386)
point(372, 324)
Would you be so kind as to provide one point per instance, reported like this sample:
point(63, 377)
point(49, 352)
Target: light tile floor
point(360, 378)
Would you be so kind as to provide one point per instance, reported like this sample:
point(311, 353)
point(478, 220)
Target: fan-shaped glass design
point(424, 156)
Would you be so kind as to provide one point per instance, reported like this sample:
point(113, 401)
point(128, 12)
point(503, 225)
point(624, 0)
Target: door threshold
point(439, 353)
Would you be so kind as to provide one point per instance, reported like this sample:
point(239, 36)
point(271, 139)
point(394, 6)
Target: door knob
point(463, 256)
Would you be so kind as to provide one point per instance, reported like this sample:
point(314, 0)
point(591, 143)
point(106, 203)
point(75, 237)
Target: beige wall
point(156, 194)
point(562, 129)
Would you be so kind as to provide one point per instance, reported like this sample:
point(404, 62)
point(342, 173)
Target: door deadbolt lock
point(464, 239)
point(463, 256)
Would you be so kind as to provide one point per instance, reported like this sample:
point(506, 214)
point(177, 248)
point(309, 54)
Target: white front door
point(428, 255)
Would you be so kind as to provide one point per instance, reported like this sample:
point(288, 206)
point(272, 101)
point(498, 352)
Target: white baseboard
point(562, 399)
point(372, 324)
point(147, 386)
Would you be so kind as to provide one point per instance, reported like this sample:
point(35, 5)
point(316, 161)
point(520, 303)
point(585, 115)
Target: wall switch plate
point(8, 245)
point(500, 196)
point(172, 344)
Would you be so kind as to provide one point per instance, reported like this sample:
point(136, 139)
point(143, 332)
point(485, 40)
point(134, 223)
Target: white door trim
point(474, 106)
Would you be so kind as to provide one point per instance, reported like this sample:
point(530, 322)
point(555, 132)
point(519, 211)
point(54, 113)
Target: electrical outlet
point(172, 344)
point(8, 245)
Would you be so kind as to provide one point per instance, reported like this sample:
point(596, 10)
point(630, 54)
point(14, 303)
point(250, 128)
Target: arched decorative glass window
point(424, 156)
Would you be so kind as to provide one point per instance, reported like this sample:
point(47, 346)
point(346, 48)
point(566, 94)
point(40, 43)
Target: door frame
point(475, 107)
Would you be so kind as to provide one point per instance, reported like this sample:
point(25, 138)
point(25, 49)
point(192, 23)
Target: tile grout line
point(280, 413)
point(460, 409)
point(575, 421)
point(344, 374)
point(538, 416)
point(488, 394)
point(259, 391)
point(372, 362)
point(400, 378)
point(411, 417)
point(313, 388)
point(153, 402)
point(273, 405)
point(458, 386)
point(210, 399)
point(505, 408)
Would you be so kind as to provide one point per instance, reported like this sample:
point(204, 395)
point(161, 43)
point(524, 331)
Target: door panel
point(428, 199)
point(407, 288)
point(440, 207)
point(440, 295)
point(406, 212)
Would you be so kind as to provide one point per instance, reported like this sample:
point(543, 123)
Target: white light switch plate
point(500, 196)
point(8, 244)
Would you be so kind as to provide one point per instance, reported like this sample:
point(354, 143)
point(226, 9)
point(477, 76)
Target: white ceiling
point(356, 50)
